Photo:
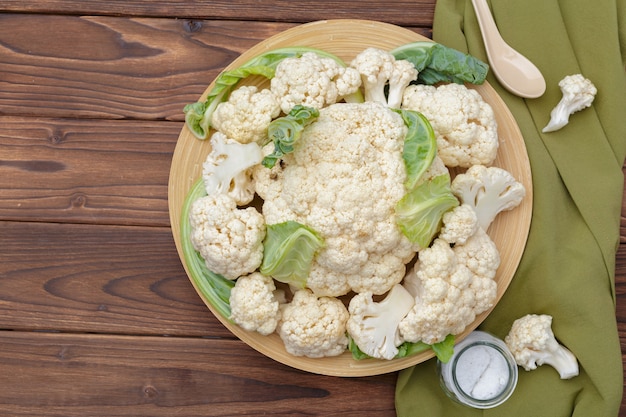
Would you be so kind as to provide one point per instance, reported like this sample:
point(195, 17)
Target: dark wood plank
point(85, 171)
point(402, 12)
point(98, 279)
point(623, 218)
point(61, 375)
point(122, 68)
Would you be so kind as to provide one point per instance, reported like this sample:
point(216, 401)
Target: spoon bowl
point(513, 70)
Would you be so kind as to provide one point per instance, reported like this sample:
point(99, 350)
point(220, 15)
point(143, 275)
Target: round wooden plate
point(346, 38)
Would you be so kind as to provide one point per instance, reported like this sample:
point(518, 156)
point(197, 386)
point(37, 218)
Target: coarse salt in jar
point(482, 373)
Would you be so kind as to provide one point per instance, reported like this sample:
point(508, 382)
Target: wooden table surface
point(97, 316)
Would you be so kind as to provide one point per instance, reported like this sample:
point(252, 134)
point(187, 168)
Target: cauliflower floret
point(313, 326)
point(230, 240)
point(480, 255)
point(247, 114)
point(253, 303)
point(459, 224)
point(226, 169)
point(374, 325)
point(464, 124)
point(379, 68)
point(313, 81)
point(343, 180)
point(578, 94)
point(532, 343)
point(451, 286)
point(489, 191)
point(443, 300)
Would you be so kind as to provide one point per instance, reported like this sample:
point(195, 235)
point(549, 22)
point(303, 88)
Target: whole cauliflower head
point(229, 239)
point(464, 124)
point(343, 180)
point(313, 81)
point(253, 303)
point(247, 114)
point(313, 326)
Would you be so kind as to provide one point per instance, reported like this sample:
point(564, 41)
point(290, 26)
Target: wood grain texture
point(38, 279)
point(401, 12)
point(121, 69)
point(99, 279)
point(63, 375)
point(85, 171)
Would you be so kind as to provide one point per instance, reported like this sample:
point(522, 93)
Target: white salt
point(482, 372)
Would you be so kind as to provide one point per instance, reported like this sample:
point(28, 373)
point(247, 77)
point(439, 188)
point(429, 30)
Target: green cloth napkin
point(568, 267)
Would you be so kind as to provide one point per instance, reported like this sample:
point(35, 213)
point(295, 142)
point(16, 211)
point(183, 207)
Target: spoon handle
point(490, 33)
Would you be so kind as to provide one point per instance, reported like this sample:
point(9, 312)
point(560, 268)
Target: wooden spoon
point(514, 71)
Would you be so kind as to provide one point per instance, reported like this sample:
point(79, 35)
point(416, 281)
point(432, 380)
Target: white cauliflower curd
point(247, 114)
point(465, 124)
point(343, 180)
point(313, 326)
point(229, 239)
point(451, 284)
point(254, 303)
point(313, 81)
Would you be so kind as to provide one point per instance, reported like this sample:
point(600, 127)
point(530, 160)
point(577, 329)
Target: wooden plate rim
point(341, 36)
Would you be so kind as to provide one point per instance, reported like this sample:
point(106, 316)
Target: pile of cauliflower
point(368, 282)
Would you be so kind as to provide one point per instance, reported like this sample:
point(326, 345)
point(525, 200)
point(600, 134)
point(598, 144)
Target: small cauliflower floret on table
point(379, 69)
point(451, 284)
point(464, 124)
point(578, 94)
point(254, 303)
point(312, 80)
point(229, 239)
point(532, 343)
point(489, 191)
point(228, 168)
point(247, 114)
point(313, 326)
point(374, 325)
point(343, 180)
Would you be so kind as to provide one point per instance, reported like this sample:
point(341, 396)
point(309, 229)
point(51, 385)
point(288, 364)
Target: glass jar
point(482, 373)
